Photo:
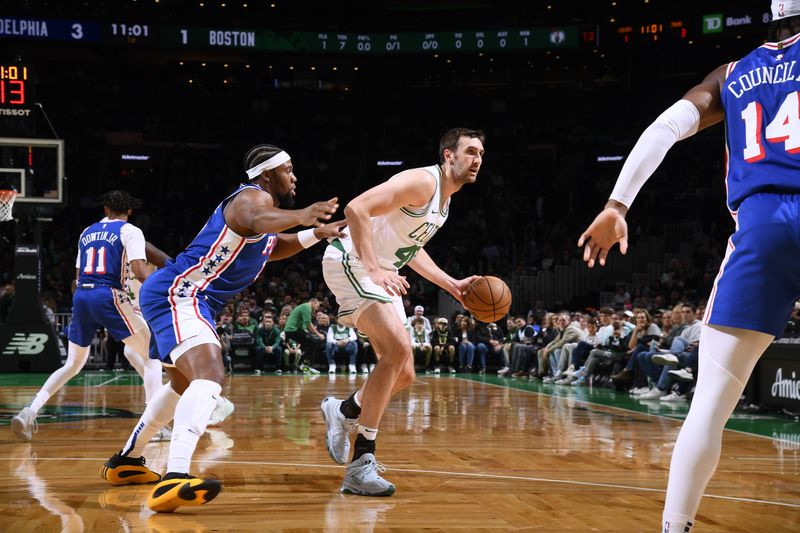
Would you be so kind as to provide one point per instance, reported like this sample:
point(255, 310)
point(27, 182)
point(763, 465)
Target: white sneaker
point(164, 434)
point(665, 359)
point(363, 478)
point(638, 391)
point(653, 394)
point(24, 424)
point(569, 371)
point(352, 369)
point(223, 410)
point(364, 369)
point(337, 435)
point(684, 374)
point(437, 370)
point(673, 396)
point(503, 371)
point(331, 369)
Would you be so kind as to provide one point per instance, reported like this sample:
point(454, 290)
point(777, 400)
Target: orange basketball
point(488, 298)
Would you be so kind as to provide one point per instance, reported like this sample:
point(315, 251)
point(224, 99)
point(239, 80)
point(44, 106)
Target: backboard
point(35, 168)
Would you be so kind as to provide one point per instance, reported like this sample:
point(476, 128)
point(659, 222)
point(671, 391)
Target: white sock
point(191, 418)
point(369, 433)
point(676, 523)
point(76, 359)
point(157, 414)
point(727, 357)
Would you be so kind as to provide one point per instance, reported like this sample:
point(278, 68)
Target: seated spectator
point(243, 339)
point(420, 343)
point(419, 314)
point(444, 346)
point(268, 343)
point(466, 343)
point(224, 332)
point(669, 330)
point(302, 332)
point(549, 356)
point(522, 351)
point(487, 338)
point(614, 349)
point(341, 340)
point(512, 335)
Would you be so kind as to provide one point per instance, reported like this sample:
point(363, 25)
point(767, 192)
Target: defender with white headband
point(180, 301)
point(759, 281)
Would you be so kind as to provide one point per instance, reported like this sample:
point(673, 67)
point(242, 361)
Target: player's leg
point(727, 358)
point(202, 366)
point(24, 423)
point(128, 465)
point(137, 348)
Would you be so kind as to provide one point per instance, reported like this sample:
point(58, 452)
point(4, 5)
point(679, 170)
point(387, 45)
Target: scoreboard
point(123, 32)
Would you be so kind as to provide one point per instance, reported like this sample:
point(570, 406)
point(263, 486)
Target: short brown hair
point(449, 140)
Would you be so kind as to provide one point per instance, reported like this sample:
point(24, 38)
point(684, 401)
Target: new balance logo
point(23, 344)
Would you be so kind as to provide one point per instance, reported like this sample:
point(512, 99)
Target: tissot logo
point(26, 344)
point(786, 388)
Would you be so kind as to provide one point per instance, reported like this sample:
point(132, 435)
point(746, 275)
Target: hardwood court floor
point(466, 453)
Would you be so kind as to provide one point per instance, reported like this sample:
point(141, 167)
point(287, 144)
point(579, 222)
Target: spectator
point(225, 332)
point(523, 350)
point(576, 353)
point(512, 335)
point(486, 338)
point(341, 340)
point(419, 314)
point(301, 330)
point(444, 346)
point(366, 354)
point(612, 350)
point(466, 344)
point(268, 343)
point(549, 356)
point(420, 342)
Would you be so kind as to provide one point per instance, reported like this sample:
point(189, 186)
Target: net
point(7, 197)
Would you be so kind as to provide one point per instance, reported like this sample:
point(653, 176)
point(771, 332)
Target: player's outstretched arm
point(256, 211)
point(699, 108)
point(290, 244)
point(413, 187)
point(426, 267)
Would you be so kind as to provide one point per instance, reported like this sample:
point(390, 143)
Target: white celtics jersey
point(397, 236)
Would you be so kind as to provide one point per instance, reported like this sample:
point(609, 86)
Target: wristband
point(306, 238)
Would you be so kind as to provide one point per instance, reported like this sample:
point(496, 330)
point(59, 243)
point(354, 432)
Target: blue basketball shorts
point(178, 319)
point(759, 278)
point(102, 306)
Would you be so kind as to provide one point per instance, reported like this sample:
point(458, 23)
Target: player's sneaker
point(163, 435)
point(223, 410)
point(121, 470)
point(24, 424)
point(337, 436)
point(362, 477)
point(178, 489)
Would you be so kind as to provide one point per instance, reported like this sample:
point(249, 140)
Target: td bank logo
point(23, 344)
point(712, 23)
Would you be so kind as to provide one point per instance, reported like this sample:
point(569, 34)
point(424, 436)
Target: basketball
point(488, 298)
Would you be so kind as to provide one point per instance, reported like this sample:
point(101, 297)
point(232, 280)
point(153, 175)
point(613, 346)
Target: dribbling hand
point(607, 229)
point(459, 288)
point(319, 213)
point(392, 282)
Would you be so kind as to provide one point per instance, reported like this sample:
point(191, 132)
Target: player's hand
point(330, 230)
point(394, 283)
point(607, 229)
point(459, 287)
point(319, 213)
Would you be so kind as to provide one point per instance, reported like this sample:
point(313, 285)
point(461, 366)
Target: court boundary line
point(483, 475)
point(112, 380)
point(678, 420)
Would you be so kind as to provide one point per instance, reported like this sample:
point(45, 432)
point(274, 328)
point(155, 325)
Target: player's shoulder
point(419, 177)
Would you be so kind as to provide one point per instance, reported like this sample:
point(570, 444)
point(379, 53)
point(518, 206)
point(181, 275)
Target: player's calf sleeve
point(152, 378)
point(135, 360)
point(191, 418)
point(159, 411)
point(76, 359)
point(727, 357)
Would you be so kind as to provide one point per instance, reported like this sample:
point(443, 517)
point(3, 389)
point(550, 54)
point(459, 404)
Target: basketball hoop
point(7, 197)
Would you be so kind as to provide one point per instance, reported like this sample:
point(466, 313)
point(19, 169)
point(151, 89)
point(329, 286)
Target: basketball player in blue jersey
point(179, 302)
point(388, 226)
point(759, 280)
point(104, 250)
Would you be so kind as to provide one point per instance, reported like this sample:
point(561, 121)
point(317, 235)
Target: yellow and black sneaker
point(121, 470)
point(178, 489)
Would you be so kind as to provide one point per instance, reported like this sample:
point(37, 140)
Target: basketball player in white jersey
point(387, 226)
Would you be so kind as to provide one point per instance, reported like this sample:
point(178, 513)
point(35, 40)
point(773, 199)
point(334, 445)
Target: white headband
point(273, 162)
point(782, 9)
